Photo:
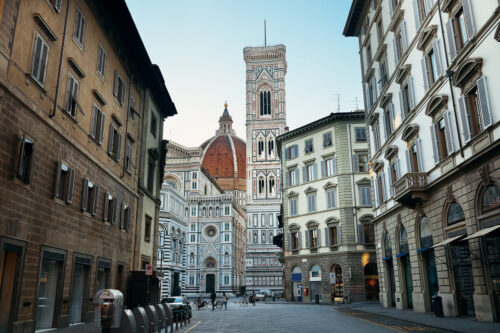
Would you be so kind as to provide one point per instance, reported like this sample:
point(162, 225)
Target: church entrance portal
point(210, 283)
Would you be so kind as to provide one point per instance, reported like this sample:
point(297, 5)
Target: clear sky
point(198, 45)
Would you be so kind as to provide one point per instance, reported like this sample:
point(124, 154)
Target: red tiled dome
point(224, 156)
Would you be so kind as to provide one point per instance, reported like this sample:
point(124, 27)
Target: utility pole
point(265, 34)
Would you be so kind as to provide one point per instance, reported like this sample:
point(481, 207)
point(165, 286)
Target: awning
point(448, 241)
point(483, 232)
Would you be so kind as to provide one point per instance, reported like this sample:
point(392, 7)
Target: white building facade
point(265, 120)
point(172, 237)
point(430, 73)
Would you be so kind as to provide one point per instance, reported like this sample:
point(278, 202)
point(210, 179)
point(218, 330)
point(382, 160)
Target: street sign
point(149, 269)
point(333, 278)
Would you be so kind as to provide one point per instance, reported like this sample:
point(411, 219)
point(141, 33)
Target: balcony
point(410, 189)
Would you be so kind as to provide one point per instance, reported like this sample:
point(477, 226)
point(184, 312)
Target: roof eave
point(353, 17)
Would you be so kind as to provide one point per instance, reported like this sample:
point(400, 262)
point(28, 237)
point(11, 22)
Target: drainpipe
point(53, 113)
point(353, 193)
point(449, 75)
point(126, 126)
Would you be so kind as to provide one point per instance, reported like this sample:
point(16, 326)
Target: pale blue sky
point(198, 45)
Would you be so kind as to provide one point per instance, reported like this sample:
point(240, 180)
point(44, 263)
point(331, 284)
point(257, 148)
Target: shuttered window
point(65, 181)
point(365, 193)
point(25, 160)
point(39, 61)
point(293, 206)
point(119, 88)
point(90, 195)
point(79, 33)
point(97, 124)
point(72, 95)
point(114, 145)
point(101, 61)
point(331, 198)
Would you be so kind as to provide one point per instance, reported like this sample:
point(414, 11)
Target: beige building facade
point(429, 72)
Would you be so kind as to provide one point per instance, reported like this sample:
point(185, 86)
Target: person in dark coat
point(213, 297)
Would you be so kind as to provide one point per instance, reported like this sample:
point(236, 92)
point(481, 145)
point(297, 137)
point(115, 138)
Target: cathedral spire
point(225, 123)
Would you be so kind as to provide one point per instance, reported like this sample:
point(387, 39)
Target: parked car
point(267, 292)
point(179, 304)
point(260, 295)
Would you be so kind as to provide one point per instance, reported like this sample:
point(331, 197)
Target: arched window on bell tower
point(265, 102)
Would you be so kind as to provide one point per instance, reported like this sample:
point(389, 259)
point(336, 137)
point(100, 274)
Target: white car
point(260, 296)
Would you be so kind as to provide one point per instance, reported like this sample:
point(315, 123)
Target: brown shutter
point(129, 216)
point(118, 154)
point(101, 131)
point(122, 215)
point(71, 184)
point(20, 157)
point(115, 207)
point(115, 87)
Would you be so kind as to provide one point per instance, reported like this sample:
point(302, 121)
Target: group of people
point(213, 296)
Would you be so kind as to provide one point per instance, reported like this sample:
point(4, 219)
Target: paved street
point(282, 317)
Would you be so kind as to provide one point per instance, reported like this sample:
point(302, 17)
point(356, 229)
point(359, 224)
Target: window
point(431, 65)
point(154, 125)
point(365, 193)
point(291, 152)
point(389, 118)
point(227, 210)
point(272, 186)
point(115, 141)
point(407, 98)
point(65, 181)
point(194, 185)
point(311, 202)
point(226, 237)
point(263, 237)
point(371, 91)
point(101, 61)
point(72, 95)
point(79, 32)
point(151, 175)
point(56, 4)
point(255, 237)
point(360, 134)
point(369, 233)
point(491, 198)
point(327, 139)
point(119, 88)
point(131, 109)
point(414, 157)
point(147, 229)
point(128, 156)
point(90, 195)
point(475, 110)
point(194, 175)
point(193, 238)
point(295, 240)
point(310, 173)
point(380, 188)
point(260, 148)
point(265, 103)
point(313, 238)
point(226, 279)
point(334, 235)
point(262, 185)
point(25, 159)
point(97, 125)
point(360, 162)
point(293, 206)
point(440, 138)
point(125, 218)
point(460, 28)
point(421, 10)
point(368, 53)
point(110, 206)
point(384, 73)
point(308, 146)
point(39, 62)
point(329, 167)
point(293, 177)
point(270, 147)
point(455, 214)
point(380, 31)
point(394, 173)
point(331, 198)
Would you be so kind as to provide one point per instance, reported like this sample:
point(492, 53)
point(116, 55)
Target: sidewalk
point(454, 324)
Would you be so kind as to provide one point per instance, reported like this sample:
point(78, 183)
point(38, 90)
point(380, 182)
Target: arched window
point(270, 147)
point(263, 240)
point(255, 236)
point(210, 211)
point(162, 238)
point(226, 258)
point(403, 241)
point(491, 199)
point(265, 103)
point(204, 211)
point(455, 213)
point(260, 146)
point(315, 271)
point(206, 189)
point(272, 185)
point(261, 185)
point(387, 245)
point(425, 233)
point(186, 212)
point(191, 258)
point(217, 212)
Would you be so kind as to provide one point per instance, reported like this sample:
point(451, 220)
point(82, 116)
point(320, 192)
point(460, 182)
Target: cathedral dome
point(224, 156)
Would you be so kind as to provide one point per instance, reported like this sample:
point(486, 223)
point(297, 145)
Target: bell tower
point(265, 120)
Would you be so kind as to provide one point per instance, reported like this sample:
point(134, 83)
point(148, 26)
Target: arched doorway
point(429, 261)
point(404, 257)
point(389, 271)
point(336, 284)
point(210, 278)
point(315, 282)
point(371, 281)
point(297, 284)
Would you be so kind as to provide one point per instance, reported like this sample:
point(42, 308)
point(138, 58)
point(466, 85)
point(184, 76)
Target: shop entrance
point(315, 283)
point(492, 242)
point(297, 284)
point(389, 271)
point(371, 281)
point(406, 266)
point(176, 288)
point(9, 267)
point(80, 276)
point(210, 286)
point(464, 280)
point(336, 284)
point(429, 261)
point(48, 289)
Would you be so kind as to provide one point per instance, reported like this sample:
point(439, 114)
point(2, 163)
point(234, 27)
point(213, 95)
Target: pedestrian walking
point(273, 295)
point(252, 298)
point(224, 300)
point(213, 297)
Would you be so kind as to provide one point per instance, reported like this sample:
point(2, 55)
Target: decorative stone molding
point(390, 152)
point(402, 73)
point(410, 131)
point(427, 36)
point(436, 104)
point(469, 70)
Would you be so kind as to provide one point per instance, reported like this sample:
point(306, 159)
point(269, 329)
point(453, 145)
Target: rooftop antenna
point(265, 34)
point(337, 97)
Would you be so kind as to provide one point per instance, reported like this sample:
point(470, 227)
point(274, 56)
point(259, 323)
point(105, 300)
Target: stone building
point(265, 120)
point(210, 179)
point(172, 239)
point(329, 235)
point(71, 99)
point(429, 71)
